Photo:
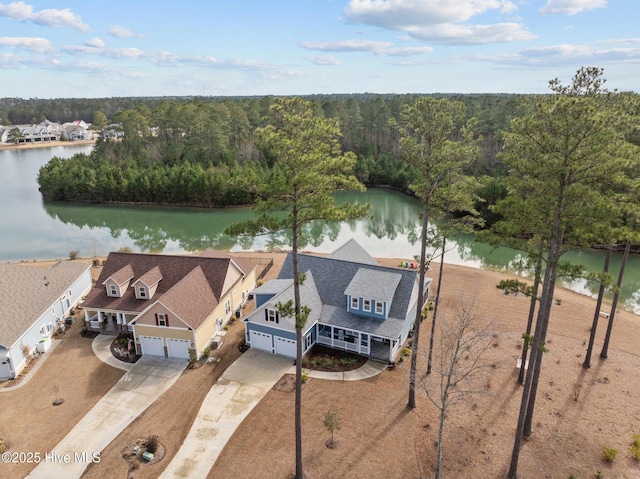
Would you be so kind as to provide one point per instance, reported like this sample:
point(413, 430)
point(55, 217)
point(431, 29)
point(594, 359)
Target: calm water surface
point(31, 228)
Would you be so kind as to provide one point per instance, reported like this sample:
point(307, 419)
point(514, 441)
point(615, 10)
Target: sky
point(81, 49)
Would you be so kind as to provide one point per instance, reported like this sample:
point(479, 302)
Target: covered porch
point(374, 347)
point(108, 322)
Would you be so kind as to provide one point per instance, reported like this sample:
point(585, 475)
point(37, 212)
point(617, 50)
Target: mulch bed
point(321, 358)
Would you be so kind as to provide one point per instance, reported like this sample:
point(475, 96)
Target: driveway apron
point(229, 401)
point(145, 381)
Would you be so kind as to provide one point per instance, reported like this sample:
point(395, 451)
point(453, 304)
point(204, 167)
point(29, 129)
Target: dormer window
point(366, 305)
point(113, 290)
point(379, 307)
point(355, 303)
point(142, 292)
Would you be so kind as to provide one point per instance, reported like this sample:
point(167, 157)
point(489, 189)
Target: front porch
point(374, 347)
point(107, 323)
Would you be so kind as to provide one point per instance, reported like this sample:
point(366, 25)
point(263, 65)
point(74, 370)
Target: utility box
point(43, 345)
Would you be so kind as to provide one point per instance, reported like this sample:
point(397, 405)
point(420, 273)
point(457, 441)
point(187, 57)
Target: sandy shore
point(44, 144)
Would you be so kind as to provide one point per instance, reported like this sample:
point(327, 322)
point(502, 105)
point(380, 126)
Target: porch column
point(86, 316)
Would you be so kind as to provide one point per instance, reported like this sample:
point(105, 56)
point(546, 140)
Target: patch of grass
point(609, 454)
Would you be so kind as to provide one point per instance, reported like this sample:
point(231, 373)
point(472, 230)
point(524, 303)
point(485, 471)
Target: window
point(162, 319)
point(307, 341)
point(113, 290)
point(379, 307)
point(142, 292)
point(272, 316)
point(227, 306)
point(355, 303)
point(366, 305)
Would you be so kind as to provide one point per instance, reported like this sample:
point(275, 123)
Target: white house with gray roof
point(33, 303)
point(356, 305)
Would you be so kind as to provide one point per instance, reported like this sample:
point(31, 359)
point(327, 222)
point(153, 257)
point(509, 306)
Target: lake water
point(33, 229)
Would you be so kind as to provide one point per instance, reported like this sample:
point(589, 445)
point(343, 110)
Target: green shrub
point(635, 446)
point(609, 454)
point(305, 376)
point(405, 352)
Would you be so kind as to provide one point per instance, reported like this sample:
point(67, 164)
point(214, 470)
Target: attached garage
point(261, 341)
point(152, 346)
point(178, 348)
point(285, 347)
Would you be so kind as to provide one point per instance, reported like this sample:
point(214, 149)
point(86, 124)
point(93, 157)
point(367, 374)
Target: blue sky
point(61, 49)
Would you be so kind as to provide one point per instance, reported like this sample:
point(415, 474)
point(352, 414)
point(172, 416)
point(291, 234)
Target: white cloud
point(471, 34)
point(94, 43)
point(32, 44)
point(50, 17)
point(439, 21)
point(369, 46)
point(571, 7)
point(399, 14)
point(324, 60)
point(121, 32)
point(347, 46)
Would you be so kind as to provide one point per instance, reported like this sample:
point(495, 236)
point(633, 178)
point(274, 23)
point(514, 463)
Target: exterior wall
point(148, 317)
point(360, 310)
point(262, 298)
point(208, 328)
point(118, 288)
point(233, 275)
point(164, 332)
point(268, 330)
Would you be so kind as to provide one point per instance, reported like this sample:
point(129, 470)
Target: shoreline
point(44, 144)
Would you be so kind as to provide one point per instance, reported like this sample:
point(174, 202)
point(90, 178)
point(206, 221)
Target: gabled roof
point(334, 276)
point(352, 251)
point(153, 276)
point(374, 284)
point(121, 276)
point(308, 291)
point(174, 269)
point(180, 298)
point(28, 292)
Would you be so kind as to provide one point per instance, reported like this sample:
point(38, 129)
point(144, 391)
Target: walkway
point(145, 381)
point(230, 400)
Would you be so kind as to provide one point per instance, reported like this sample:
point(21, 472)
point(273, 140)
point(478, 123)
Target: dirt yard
point(577, 413)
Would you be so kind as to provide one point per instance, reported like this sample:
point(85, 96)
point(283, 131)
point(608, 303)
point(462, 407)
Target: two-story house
point(356, 305)
point(171, 303)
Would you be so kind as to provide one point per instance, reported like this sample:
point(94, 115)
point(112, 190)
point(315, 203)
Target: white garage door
point(152, 346)
point(261, 341)
point(285, 347)
point(178, 348)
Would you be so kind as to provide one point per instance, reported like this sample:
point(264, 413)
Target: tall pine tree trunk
point(411, 404)
point(298, 398)
point(596, 314)
point(532, 310)
point(614, 305)
point(435, 307)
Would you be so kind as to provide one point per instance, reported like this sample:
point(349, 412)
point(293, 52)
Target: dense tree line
point(202, 151)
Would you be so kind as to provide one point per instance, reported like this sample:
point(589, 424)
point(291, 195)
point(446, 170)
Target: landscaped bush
point(609, 454)
point(152, 444)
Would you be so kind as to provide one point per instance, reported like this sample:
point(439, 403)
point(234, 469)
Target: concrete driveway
point(230, 400)
point(144, 382)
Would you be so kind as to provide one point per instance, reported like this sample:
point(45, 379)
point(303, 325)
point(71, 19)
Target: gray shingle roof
point(309, 297)
point(26, 292)
point(352, 251)
point(333, 277)
point(373, 284)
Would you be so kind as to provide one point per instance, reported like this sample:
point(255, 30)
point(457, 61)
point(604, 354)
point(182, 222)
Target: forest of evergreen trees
point(202, 151)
